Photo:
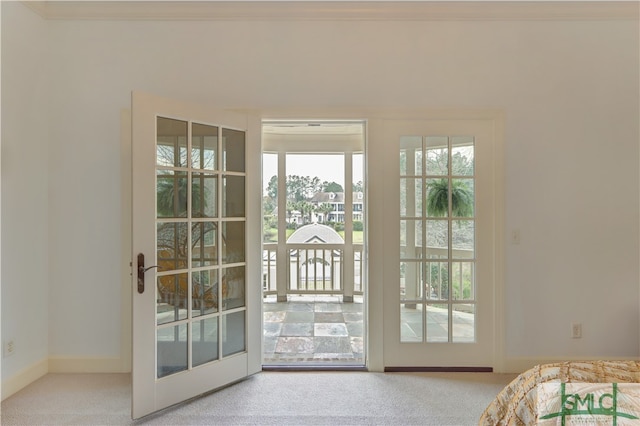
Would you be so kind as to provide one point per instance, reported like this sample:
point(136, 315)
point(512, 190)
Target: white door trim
point(151, 393)
point(376, 221)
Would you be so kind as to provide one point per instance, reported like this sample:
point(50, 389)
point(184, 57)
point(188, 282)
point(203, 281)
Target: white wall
point(25, 150)
point(569, 90)
point(572, 175)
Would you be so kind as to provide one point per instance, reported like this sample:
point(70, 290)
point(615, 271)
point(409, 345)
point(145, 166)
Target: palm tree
point(324, 209)
point(438, 198)
point(172, 196)
point(172, 238)
point(306, 210)
point(291, 207)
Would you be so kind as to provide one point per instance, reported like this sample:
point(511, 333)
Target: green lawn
point(357, 236)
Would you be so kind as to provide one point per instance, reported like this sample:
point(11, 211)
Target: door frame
point(150, 393)
point(475, 355)
point(376, 200)
point(282, 144)
point(375, 221)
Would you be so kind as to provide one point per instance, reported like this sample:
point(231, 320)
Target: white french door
point(439, 239)
point(196, 280)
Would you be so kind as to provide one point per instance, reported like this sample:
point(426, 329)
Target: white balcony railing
point(319, 268)
point(312, 268)
point(434, 283)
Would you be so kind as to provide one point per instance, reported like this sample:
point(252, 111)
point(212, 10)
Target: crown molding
point(337, 10)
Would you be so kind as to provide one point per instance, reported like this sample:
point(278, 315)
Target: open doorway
point(314, 240)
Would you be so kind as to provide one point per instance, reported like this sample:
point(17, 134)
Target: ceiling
point(427, 10)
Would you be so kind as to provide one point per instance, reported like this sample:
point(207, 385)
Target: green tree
point(332, 187)
point(461, 165)
point(437, 162)
point(306, 210)
point(436, 281)
point(172, 238)
point(291, 206)
point(324, 209)
point(270, 220)
point(171, 196)
point(272, 188)
point(301, 188)
point(268, 205)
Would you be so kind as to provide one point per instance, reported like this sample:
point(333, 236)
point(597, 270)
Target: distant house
point(293, 216)
point(336, 200)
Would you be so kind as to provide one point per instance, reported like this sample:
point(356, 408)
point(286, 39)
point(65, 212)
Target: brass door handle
point(141, 271)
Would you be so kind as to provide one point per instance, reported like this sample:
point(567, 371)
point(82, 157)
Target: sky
point(327, 167)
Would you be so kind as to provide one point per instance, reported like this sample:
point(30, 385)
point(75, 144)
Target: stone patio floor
point(321, 330)
point(313, 330)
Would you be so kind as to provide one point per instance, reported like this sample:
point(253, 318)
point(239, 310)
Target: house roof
point(328, 197)
point(315, 233)
point(334, 197)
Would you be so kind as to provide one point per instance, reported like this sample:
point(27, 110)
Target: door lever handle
point(141, 271)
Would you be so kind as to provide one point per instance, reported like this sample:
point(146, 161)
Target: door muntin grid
point(437, 239)
point(200, 240)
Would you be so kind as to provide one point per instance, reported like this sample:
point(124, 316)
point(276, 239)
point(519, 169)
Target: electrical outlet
point(9, 347)
point(576, 330)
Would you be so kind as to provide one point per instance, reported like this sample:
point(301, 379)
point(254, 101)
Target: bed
point(516, 403)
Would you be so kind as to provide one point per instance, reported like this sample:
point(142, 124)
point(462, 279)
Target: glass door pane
point(437, 172)
point(189, 189)
point(193, 330)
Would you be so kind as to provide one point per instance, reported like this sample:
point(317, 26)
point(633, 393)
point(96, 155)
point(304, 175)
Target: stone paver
point(313, 329)
point(321, 329)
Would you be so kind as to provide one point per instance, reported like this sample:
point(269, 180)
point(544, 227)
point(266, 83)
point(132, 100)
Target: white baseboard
point(24, 377)
point(61, 365)
point(87, 365)
point(118, 365)
point(520, 365)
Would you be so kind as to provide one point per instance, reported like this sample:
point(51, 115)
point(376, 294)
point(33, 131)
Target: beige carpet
point(268, 398)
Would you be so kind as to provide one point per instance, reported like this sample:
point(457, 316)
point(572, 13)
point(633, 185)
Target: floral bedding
point(516, 403)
